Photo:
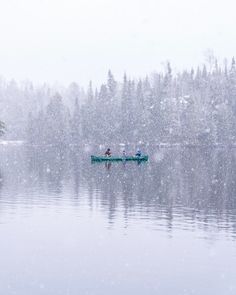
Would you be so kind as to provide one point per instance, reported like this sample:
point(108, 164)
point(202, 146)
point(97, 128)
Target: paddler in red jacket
point(108, 153)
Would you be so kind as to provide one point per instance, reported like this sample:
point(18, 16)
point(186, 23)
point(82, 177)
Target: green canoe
point(117, 158)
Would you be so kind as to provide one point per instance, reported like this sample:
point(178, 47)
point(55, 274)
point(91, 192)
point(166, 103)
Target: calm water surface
point(71, 227)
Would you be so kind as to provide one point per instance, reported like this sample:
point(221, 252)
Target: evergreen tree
point(126, 112)
point(57, 122)
point(76, 124)
point(2, 128)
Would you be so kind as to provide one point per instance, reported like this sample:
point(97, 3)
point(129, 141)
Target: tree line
point(191, 107)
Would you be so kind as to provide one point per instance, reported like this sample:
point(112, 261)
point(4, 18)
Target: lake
point(71, 227)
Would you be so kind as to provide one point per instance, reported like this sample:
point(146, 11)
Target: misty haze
point(117, 147)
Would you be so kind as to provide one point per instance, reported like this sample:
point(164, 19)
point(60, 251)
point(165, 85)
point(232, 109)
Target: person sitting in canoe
point(108, 153)
point(138, 154)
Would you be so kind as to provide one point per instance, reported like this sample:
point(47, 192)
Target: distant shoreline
point(159, 145)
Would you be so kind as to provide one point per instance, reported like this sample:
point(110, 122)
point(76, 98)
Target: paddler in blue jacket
point(138, 154)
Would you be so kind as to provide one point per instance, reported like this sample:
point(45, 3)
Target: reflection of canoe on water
point(114, 158)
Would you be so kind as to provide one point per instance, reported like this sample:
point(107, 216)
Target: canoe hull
point(117, 159)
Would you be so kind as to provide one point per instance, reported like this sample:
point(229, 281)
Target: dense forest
point(192, 107)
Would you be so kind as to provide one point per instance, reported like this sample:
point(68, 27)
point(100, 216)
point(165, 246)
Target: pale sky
point(79, 40)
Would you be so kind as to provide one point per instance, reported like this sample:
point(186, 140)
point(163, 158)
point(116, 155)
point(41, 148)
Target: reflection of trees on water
point(1, 185)
point(49, 166)
point(75, 161)
point(1, 179)
point(194, 184)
